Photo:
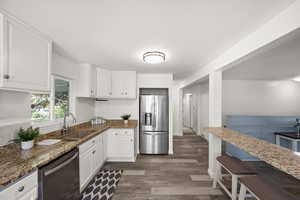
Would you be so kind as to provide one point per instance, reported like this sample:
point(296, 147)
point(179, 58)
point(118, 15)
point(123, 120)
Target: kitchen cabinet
point(24, 189)
point(87, 81)
point(121, 145)
point(91, 159)
point(98, 153)
point(25, 61)
point(86, 167)
point(124, 84)
point(104, 83)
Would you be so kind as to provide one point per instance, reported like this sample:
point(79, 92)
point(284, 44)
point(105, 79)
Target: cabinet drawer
point(123, 132)
point(87, 145)
point(21, 188)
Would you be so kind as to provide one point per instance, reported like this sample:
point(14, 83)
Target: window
point(46, 107)
point(61, 98)
point(40, 107)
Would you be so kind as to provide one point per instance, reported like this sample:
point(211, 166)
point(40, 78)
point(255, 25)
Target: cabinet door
point(103, 83)
point(85, 166)
point(112, 144)
point(28, 60)
point(120, 144)
point(105, 144)
point(93, 81)
point(117, 84)
point(129, 84)
point(30, 195)
point(126, 143)
point(98, 155)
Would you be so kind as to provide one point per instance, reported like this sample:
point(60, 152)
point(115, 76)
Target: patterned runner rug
point(102, 186)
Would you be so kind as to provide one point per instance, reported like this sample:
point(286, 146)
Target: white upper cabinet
point(87, 82)
point(116, 84)
point(25, 57)
point(124, 84)
point(104, 83)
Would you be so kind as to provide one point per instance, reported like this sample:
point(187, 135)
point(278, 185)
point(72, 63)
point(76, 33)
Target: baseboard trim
point(211, 173)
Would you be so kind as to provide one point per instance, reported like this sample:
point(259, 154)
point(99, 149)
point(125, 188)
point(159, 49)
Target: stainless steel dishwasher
point(59, 179)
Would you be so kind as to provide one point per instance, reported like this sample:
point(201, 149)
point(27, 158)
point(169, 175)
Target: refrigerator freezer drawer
point(154, 143)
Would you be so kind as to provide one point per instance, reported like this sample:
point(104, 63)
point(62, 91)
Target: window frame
point(52, 120)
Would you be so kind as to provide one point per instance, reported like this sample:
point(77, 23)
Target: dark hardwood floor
point(180, 176)
point(183, 176)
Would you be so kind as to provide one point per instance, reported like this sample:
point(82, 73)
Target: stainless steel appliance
point(59, 179)
point(154, 121)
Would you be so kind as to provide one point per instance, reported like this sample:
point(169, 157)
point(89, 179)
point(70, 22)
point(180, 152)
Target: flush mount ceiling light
point(154, 57)
point(297, 79)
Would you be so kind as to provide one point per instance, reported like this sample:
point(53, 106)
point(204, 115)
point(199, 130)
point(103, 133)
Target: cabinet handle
point(6, 76)
point(20, 189)
point(94, 152)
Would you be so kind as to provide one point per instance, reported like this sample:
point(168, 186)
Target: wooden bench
point(236, 168)
point(262, 189)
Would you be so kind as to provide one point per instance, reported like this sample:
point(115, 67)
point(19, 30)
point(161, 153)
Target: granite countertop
point(282, 158)
point(15, 162)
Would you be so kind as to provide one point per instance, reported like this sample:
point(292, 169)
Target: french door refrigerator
point(154, 121)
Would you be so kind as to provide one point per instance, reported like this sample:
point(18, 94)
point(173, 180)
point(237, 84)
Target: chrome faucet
point(65, 129)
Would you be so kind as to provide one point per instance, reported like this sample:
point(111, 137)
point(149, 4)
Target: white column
point(215, 118)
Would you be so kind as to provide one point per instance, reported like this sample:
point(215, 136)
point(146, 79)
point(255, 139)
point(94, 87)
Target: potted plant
point(27, 137)
point(125, 117)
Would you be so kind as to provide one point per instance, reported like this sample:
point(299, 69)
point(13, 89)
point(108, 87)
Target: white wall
point(177, 94)
point(113, 109)
point(200, 105)
point(204, 106)
point(267, 98)
point(12, 104)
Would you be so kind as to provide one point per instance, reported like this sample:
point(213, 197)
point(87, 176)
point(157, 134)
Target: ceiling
point(114, 33)
point(278, 61)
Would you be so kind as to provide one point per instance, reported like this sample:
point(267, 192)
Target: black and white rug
point(102, 186)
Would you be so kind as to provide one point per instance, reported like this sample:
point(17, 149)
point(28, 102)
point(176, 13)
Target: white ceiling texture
point(114, 34)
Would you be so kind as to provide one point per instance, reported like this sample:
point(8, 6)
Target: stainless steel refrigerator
point(154, 121)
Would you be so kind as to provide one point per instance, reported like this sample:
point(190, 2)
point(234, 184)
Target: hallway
point(182, 176)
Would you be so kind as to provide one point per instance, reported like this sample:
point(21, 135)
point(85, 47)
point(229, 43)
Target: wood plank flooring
point(180, 176)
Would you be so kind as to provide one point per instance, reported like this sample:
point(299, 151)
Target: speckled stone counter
point(120, 124)
point(15, 162)
point(282, 158)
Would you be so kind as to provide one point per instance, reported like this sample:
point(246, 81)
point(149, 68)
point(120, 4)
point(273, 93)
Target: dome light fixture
point(154, 57)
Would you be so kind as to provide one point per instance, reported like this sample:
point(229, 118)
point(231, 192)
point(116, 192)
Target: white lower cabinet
point(111, 145)
point(91, 158)
point(24, 189)
point(121, 145)
point(85, 167)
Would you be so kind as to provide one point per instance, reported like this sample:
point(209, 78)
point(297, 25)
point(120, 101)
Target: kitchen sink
point(78, 134)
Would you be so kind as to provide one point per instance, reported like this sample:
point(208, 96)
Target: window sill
point(50, 125)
